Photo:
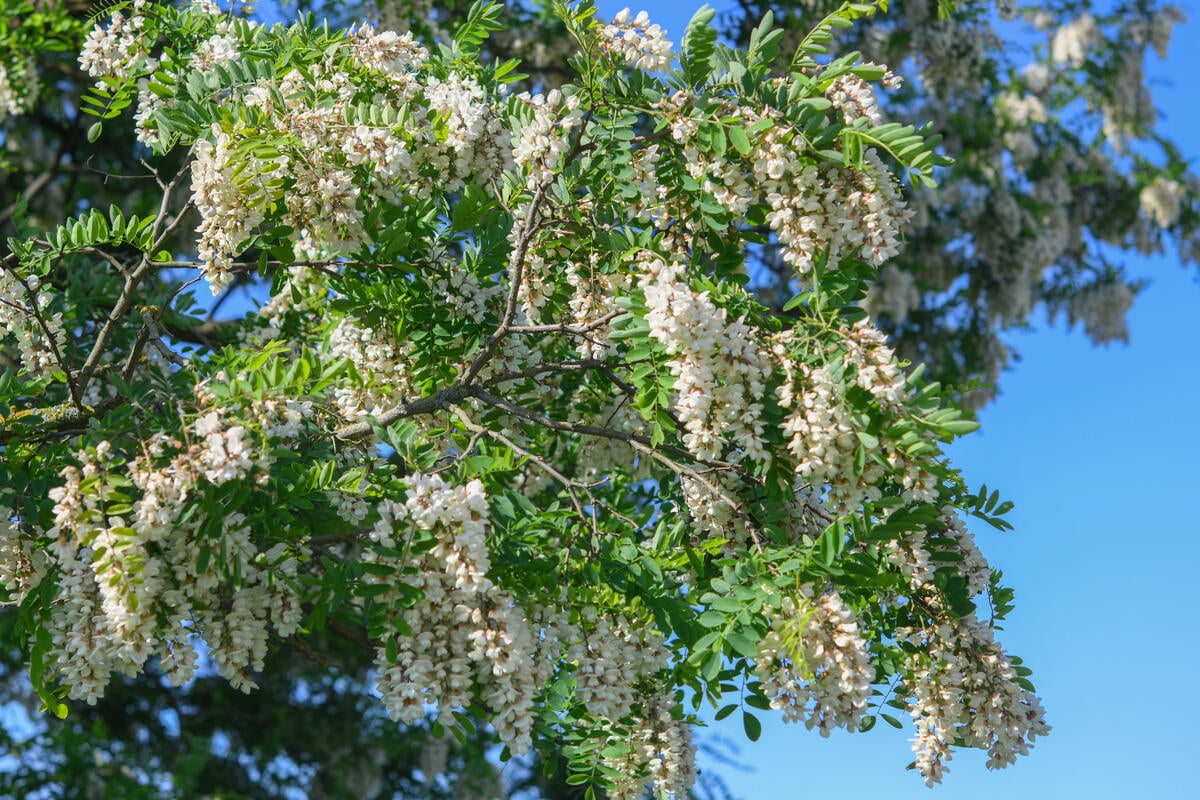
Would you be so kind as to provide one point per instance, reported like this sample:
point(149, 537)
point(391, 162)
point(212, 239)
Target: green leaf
point(742, 645)
point(959, 427)
point(739, 139)
point(698, 46)
point(752, 726)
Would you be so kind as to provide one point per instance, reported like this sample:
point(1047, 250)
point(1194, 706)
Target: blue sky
point(1098, 448)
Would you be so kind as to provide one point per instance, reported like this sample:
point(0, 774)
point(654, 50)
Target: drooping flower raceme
point(720, 372)
point(814, 664)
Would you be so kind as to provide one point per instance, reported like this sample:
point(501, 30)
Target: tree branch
point(516, 275)
point(163, 231)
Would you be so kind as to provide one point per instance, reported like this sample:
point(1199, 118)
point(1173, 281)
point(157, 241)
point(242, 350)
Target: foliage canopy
point(519, 440)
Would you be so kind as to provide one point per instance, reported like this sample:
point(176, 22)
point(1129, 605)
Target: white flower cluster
point(546, 138)
point(282, 418)
point(1103, 309)
point(594, 297)
point(10, 98)
point(823, 441)
point(1160, 201)
point(720, 371)
point(912, 557)
point(855, 98)
point(25, 324)
point(22, 563)
point(477, 142)
point(1155, 30)
point(948, 53)
point(238, 639)
point(651, 191)
point(964, 690)
point(711, 505)
point(147, 582)
point(117, 50)
point(1126, 105)
point(641, 45)
point(226, 455)
point(814, 664)
point(613, 655)
point(1037, 78)
point(453, 131)
point(538, 282)
point(1162, 26)
point(391, 161)
point(845, 212)
point(726, 179)
point(973, 567)
point(18, 87)
point(877, 372)
point(380, 360)
point(229, 208)
point(147, 103)
point(823, 438)
point(218, 50)
point(659, 748)
point(1020, 112)
point(1075, 40)
point(467, 633)
point(389, 52)
point(324, 206)
point(874, 365)
point(671, 751)
point(894, 294)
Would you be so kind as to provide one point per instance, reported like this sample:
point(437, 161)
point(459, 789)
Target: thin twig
point(162, 231)
point(36, 312)
point(568, 484)
point(516, 274)
point(570, 330)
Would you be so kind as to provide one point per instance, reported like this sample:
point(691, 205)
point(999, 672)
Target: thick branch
point(439, 401)
point(55, 419)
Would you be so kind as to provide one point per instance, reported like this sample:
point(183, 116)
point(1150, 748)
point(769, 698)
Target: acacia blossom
point(813, 662)
point(642, 45)
point(465, 630)
point(720, 372)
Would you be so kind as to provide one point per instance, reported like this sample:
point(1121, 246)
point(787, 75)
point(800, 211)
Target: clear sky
point(1098, 448)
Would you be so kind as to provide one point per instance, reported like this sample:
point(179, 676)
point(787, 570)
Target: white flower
point(1160, 201)
point(720, 371)
point(218, 50)
point(1073, 41)
point(642, 45)
point(114, 51)
point(855, 98)
point(813, 663)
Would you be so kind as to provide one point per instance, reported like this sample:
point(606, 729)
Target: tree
point(514, 440)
